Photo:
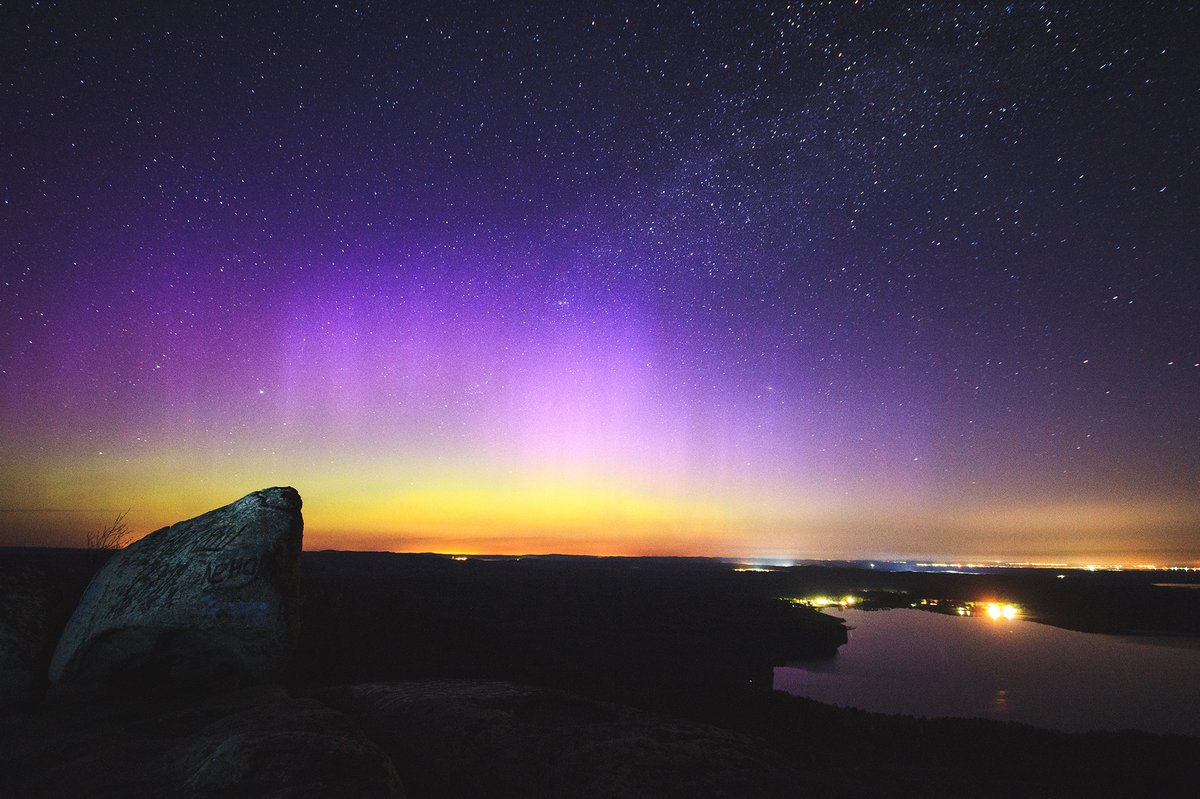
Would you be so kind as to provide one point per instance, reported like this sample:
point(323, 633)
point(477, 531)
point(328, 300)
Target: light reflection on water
point(929, 664)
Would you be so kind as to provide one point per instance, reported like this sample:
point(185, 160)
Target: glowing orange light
point(997, 610)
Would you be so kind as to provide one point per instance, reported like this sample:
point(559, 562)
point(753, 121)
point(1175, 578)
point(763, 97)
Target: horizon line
point(765, 562)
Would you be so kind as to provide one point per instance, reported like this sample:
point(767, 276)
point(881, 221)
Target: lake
point(928, 664)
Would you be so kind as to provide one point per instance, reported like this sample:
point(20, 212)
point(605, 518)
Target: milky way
point(772, 280)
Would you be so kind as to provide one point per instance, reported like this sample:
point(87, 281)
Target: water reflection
point(943, 664)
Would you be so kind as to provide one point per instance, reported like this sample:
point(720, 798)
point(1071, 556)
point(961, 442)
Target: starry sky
point(765, 280)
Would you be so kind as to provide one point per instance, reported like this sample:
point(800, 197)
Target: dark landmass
point(651, 631)
point(623, 658)
point(1129, 602)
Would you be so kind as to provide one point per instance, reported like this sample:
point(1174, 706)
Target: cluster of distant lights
point(821, 602)
point(993, 610)
point(1091, 567)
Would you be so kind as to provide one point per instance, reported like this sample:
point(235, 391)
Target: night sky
point(776, 280)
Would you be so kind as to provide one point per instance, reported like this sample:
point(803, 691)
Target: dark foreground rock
point(24, 627)
point(253, 742)
point(438, 739)
point(206, 601)
point(469, 739)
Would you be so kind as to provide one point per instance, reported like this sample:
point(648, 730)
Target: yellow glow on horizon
point(522, 517)
point(379, 497)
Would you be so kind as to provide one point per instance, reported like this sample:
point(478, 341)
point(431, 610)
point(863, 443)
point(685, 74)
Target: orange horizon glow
point(460, 503)
point(572, 515)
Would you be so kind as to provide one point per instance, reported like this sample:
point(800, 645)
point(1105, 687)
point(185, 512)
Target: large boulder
point(205, 602)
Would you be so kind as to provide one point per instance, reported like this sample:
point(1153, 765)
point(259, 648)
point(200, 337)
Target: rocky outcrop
point(251, 742)
point(468, 739)
point(208, 601)
point(271, 749)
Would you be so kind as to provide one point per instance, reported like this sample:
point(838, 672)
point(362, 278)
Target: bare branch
point(112, 536)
